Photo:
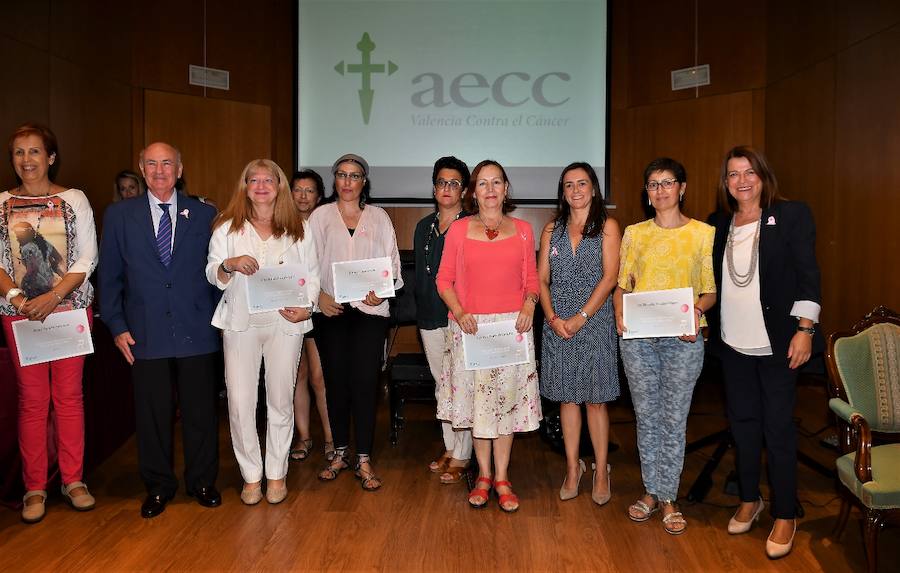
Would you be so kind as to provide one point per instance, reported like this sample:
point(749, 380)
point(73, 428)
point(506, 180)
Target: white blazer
point(232, 312)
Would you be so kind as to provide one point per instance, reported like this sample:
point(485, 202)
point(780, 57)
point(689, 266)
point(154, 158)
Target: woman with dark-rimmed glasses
point(449, 178)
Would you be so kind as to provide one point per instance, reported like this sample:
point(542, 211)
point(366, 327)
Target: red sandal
point(484, 492)
point(506, 497)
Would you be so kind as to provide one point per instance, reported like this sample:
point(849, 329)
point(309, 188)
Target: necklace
point(490, 233)
point(434, 231)
point(742, 279)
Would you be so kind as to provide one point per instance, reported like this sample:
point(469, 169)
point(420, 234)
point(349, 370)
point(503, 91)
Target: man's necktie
point(164, 235)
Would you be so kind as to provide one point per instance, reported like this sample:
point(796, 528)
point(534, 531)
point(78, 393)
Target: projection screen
point(402, 83)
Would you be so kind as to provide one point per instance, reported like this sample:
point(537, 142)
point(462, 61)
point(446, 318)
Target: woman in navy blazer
point(764, 261)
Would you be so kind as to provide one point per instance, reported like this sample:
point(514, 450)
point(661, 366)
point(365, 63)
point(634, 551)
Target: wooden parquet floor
point(415, 524)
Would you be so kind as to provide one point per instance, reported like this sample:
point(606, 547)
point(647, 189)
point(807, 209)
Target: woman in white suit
point(260, 228)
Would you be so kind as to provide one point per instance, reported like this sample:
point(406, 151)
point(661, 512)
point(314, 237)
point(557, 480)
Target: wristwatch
point(13, 293)
point(225, 269)
point(810, 330)
point(583, 314)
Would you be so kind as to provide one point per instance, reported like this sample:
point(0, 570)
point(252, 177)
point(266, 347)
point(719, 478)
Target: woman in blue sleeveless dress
point(578, 267)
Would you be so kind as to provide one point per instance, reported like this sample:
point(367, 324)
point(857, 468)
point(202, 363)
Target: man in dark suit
point(157, 303)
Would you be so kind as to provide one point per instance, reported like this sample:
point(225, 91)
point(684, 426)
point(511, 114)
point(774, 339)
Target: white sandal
point(674, 523)
point(643, 509)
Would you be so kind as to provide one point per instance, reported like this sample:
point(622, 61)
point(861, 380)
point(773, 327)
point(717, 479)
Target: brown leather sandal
point(453, 474)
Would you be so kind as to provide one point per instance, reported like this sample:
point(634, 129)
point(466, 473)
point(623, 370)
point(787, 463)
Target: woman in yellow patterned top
point(668, 251)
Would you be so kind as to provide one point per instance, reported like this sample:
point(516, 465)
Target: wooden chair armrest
point(862, 464)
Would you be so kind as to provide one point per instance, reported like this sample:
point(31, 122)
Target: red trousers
point(59, 381)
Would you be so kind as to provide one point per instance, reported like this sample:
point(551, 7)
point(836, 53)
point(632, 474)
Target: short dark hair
point(760, 164)
point(310, 174)
point(593, 227)
point(48, 138)
point(665, 164)
point(451, 162)
point(469, 201)
point(661, 164)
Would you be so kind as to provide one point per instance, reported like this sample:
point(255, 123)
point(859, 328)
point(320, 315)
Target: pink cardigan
point(452, 272)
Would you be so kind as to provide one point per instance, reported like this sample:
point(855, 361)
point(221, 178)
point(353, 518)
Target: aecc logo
point(467, 90)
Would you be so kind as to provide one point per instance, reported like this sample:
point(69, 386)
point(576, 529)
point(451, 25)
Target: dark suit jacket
point(788, 271)
point(167, 310)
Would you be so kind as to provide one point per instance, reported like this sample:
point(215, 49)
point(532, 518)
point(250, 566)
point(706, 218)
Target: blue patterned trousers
point(661, 374)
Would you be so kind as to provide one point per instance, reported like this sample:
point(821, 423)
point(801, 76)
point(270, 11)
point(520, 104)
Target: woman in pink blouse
point(489, 274)
point(351, 335)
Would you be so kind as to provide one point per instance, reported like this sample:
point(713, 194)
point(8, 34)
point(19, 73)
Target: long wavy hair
point(239, 209)
point(597, 214)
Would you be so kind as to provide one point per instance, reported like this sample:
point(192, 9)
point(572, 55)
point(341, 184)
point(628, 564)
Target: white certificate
point(273, 288)
point(495, 344)
point(354, 279)
point(659, 313)
point(61, 335)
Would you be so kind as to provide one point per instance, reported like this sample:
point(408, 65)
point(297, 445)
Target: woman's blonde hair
point(285, 221)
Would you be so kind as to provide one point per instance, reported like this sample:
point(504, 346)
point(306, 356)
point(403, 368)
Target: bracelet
point(533, 298)
point(57, 295)
point(807, 329)
point(24, 300)
point(225, 269)
point(583, 314)
point(700, 310)
point(551, 319)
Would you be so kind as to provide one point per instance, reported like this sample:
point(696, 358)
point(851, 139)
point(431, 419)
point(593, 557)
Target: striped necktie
point(164, 235)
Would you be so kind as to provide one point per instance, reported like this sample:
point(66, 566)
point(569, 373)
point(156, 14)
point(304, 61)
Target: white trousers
point(244, 352)
point(458, 441)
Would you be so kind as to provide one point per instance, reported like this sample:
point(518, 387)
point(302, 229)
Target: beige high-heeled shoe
point(736, 527)
point(601, 499)
point(779, 550)
point(567, 494)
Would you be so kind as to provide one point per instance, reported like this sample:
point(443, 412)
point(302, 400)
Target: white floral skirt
point(492, 401)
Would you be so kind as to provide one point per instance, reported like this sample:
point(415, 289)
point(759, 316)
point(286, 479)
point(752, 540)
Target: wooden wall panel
point(282, 96)
point(26, 22)
point(860, 19)
point(867, 176)
point(25, 77)
point(800, 34)
point(94, 35)
point(217, 138)
point(660, 39)
point(90, 115)
point(801, 137)
point(732, 40)
point(697, 133)
point(170, 34)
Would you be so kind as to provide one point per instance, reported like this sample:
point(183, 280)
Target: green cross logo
point(365, 69)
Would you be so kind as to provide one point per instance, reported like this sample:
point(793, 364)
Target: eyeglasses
point(453, 184)
point(664, 183)
point(355, 177)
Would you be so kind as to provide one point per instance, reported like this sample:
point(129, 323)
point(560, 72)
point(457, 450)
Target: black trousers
point(760, 393)
point(351, 346)
point(155, 382)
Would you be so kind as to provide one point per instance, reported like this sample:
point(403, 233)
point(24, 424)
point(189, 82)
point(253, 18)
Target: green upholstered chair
point(864, 367)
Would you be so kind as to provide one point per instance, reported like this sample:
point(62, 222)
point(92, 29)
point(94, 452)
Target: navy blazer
point(167, 310)
point(788, 271)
